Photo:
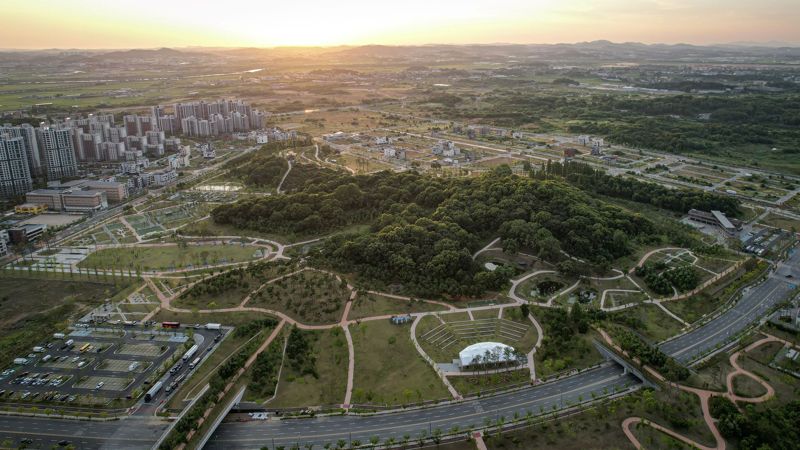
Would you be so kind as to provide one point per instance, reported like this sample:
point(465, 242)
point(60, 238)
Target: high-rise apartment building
point(15, 176)
point(28, 135)
point(58, 153)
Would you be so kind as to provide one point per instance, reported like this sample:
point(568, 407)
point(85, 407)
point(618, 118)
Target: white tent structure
point(475, 354)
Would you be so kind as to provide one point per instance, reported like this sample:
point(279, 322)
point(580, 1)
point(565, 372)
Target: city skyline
point(151, 24)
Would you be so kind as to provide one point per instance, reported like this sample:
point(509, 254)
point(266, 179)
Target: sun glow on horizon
point(151, 23)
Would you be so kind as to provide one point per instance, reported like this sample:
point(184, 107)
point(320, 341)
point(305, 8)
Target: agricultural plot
point(176, 216)
point(143, 224)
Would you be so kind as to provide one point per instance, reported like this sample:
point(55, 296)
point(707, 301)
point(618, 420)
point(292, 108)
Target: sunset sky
point(178, 23)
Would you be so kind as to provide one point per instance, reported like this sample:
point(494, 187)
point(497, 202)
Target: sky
point(31, 24)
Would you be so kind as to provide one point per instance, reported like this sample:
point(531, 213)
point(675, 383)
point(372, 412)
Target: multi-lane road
point(756, 301)
point(319, 431)
point(131, 433)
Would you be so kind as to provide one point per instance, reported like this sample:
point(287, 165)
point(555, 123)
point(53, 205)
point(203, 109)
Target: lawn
point(475, 385)
point(388, 369)
point(169, 257)
point(747, 387)
point(649, 321)
point(328, 388)
point(777, 221)
point(367, 305)
point(600, 427)
point(309, 296)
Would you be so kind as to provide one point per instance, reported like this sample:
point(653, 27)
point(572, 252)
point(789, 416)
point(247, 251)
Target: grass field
point(599, 427)
point(648, 320)
point(786, 223)
point(366, 305)
point(297, 390)
point(31, 315)
point(169, 257)
point(478, 384)
point(402, 378)
point(310, 296)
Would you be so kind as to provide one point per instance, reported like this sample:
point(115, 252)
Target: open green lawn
point(747, 387)
point(695, 307)
point(649, 321)
point(309, 296)
point(486, 314)
point(367, 305)
point(388, 369)
point(599, 427)
point(328, 388)
point(168, 257)
point(786, 223)
point(475, 385)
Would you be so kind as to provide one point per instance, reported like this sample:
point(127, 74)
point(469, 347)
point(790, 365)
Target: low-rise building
point(84, 200)
point(30, 208)
point(49, 197)
point(26, 233)
point(718, 219)
point(115, 192)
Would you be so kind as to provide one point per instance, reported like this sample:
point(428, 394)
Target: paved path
point(278, 189)
point(705, 396)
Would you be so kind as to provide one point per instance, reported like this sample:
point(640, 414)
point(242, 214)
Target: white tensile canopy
point(475, 353)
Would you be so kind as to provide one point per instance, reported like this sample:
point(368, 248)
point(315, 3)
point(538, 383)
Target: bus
point(85, 347)
point(170, 324)
point(153, 392)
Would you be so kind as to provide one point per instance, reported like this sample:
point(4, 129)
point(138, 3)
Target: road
point(132, 433)
point(319, 431)
point(755, 302)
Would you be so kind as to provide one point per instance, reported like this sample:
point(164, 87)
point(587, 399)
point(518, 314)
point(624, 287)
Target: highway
point(322, 430)
point(131, 433)
point(756, 301)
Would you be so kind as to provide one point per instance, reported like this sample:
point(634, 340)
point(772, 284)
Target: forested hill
point(424, 229)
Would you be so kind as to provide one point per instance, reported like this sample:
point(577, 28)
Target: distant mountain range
point(598, 50)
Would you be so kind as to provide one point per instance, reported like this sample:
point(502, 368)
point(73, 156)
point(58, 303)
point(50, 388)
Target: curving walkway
point(705, 396)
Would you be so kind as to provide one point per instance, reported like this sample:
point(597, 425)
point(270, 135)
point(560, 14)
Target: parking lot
point(95, 366)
